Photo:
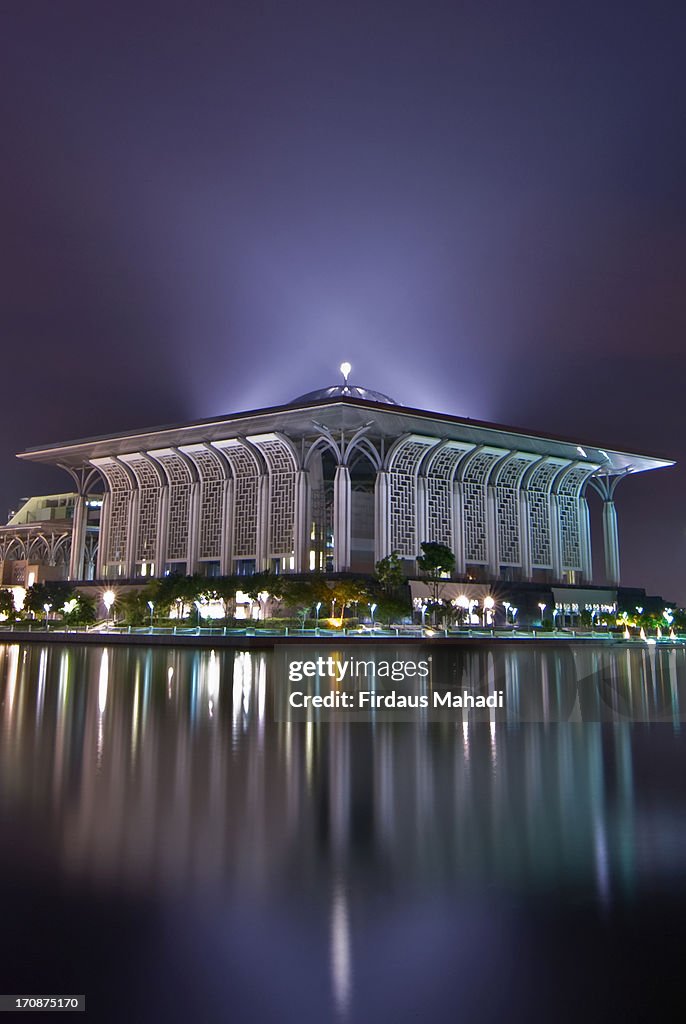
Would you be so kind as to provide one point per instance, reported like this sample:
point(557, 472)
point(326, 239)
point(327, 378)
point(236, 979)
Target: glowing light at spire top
point(345, 370)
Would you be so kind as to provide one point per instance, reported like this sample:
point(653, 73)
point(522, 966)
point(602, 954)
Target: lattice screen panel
point(538, 490)
point(439, 495)
point(120, 489)
point(179, 477)
point(282, 469)
point(507, 510)
point(149, 490)
point(211, 475)
point(474, 515)
point(570, 524)
point(246, 479)
point(402, 479)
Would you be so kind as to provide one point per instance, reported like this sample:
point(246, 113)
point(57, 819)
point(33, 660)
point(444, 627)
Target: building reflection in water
point(164, 769)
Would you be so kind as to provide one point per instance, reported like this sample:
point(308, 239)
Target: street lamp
point(46, 609)
point(197, 608)
point(506, 606)
point(372, 609)
point(489, 605)
point(151, 606)
point(420, 604)
point(108, 599)
point(316, 608)
point(462, 603)
point(542, 605)
point(513, 612)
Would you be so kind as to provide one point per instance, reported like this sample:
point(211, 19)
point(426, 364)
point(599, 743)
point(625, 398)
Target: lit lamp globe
point(108, 599)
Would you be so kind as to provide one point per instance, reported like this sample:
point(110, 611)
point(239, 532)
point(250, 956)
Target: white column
point(78, 539)
point(555, 536)
point(421, 515)
point(301, 521)
point(585, 528)
point(103, 535)
point(263, 505)
point(193, 527)
point(161, 548)
point(458, 530)
point(524, 535)
point(611, 542)
point(131, 535)
point(382, 516)
point(226, 557)
point(342, 519)
point(492, 532)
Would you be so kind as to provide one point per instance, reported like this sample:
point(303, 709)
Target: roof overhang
point(307, 419)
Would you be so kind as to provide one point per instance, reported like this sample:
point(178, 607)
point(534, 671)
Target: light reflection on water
point(162, 771)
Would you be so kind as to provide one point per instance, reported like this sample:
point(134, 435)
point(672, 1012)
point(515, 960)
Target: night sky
point(206, 207)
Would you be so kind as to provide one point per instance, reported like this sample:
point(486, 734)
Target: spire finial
point(345, 370)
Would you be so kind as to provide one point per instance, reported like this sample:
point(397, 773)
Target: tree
point(7, 604)
point(133, 609)
point(391, 608)
point(82, 611)
point(261, 583)
point(436, 560)
point(178, 590)
point(347, 592)
point(56, 593)
point(223, 588)
point(389, 572)
point(304, 593)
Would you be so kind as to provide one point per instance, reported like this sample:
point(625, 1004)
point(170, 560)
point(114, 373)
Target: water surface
point(173, 852)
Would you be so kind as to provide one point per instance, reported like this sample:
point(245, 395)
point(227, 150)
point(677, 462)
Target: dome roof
point(344, 391)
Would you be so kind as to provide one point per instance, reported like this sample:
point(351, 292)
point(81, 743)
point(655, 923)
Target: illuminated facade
point(334, 481)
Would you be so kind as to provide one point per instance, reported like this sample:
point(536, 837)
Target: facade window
point(245, 566)
point(175, 569)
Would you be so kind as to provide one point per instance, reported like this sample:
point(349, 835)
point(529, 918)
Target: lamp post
point(489, 605)
point(513, 612)
point(197, 609)
point(372, 609)
point(542, 605)
point(463, 604)
point(151, 606)
point(316, 608)
point(46, 609)
point(420, 605)
point(108, 599)
point(506, 606)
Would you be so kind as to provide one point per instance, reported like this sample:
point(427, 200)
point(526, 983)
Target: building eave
point(388, 420)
